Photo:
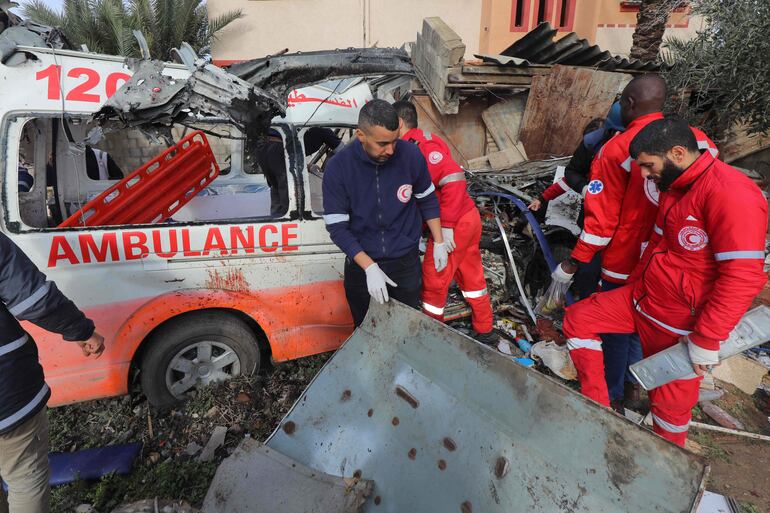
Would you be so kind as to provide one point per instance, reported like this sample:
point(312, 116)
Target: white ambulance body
point(198, 298)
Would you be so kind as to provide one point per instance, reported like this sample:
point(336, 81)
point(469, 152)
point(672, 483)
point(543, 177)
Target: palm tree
point(105, 26)
point(650, 26)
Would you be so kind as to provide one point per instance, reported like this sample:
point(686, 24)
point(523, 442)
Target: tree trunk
point(650, 26)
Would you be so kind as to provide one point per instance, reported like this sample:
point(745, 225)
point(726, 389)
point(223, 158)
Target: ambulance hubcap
point(200, 364)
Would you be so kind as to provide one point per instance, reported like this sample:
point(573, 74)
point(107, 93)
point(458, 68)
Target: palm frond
point(223, 20)
point(40, 12)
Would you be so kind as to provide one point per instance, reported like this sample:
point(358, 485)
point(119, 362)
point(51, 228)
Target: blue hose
point(539, 235)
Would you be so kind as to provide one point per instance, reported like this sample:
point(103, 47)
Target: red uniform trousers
point(465, 268)
point(614, 312)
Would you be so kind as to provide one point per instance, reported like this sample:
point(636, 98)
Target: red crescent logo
point(404, 193)
point(693, 238)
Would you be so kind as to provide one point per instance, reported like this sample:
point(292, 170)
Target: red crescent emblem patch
point(404, 193)
point(693, 238)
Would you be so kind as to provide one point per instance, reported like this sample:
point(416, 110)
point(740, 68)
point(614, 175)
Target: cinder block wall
point(131, 149)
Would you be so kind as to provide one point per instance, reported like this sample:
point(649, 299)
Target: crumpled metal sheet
point(152, 97)
point(279, 75)
point(15, 32)
point(256, 479)
point(443, 423)
point(540, 47)
point(28, 34)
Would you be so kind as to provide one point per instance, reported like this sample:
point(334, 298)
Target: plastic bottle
point(524, 345)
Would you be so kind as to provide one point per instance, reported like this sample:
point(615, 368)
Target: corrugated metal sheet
point(539, 47)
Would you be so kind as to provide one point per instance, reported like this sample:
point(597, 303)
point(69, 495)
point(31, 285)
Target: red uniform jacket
point(620, 205)
point(704, 264)
point(448, 177)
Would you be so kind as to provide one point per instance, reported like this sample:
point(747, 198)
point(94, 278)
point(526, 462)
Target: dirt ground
point(168, 466)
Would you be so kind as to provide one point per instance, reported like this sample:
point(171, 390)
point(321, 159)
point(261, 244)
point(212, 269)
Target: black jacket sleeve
point(579, 167)
point(29, 297)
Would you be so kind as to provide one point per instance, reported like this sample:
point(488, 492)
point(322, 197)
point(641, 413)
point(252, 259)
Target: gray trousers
point(24, 467)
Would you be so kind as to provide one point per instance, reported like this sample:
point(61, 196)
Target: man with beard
point(697, 278)
point(377, 192)
point(620, 210)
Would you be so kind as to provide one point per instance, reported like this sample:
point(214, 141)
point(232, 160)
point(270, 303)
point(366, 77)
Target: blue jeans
point(620, 351)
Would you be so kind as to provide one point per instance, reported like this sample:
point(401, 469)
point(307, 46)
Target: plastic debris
point(721, 417)
point(556, 358)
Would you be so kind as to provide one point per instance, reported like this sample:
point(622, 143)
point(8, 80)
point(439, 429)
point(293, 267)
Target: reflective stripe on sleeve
point(584, 343)
point(29, 407)
point(617, 276)
point(561, 183)
point(626, 164)
point(12, 346)
point(454, 177)
point(594, 239)
point(473, 294)
point(657, 230)
point(739, 255)
point(421, 195)
point(432, 309)
point(336, 218)
point(671, 428)
point(28, 303)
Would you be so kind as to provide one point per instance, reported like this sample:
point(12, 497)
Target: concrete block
point(743, 372)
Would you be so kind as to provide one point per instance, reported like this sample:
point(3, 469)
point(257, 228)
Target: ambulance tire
point(220, 330)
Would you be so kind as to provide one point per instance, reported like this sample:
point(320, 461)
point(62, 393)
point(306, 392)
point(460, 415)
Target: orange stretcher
point(155, 191)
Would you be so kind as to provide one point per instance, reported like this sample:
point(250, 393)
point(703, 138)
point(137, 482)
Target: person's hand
point(564, 271)
point(700, 368)
point(535, 205)
point(440, 256)
point(377, 282)
point(93, 346)
point(449, 239)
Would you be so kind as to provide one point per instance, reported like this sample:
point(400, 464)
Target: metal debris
point(258, 478)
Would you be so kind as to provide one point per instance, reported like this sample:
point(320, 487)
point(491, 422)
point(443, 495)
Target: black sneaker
point(619, 405)
point(489, 339)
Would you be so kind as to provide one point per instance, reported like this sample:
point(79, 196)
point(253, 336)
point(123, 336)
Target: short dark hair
point(658, 137)
point(406, 111)
point(378, 113)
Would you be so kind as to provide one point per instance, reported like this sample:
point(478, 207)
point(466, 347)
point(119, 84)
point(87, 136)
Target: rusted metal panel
point(561, 104)
point(464, 132)
point(443, 423)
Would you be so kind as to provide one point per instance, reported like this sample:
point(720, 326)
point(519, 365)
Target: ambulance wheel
point(193, 351)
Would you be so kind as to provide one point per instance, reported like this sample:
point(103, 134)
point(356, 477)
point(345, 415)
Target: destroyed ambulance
point(180, 264)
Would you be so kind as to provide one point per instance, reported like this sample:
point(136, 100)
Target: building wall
point(608, 23)
point(486, 26)
point(304, 25)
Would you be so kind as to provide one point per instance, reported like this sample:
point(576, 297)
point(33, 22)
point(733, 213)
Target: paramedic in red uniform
point(698, 275)
point(460, 225)
point(620, 210)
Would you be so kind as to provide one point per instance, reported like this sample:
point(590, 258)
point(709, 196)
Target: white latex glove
point(377, 282)
point(449, 239)
point(559, 275)
point(440, 256)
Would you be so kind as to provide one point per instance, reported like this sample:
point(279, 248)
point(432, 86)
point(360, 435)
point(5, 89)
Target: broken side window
point(320, 143)
point(55, 180)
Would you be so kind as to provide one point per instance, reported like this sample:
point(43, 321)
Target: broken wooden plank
point(503, 70)
point(561, 104)
point(464, 132)
point(455, 78)
point(503, 120)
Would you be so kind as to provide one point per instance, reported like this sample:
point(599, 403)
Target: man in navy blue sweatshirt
point(377, 192)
